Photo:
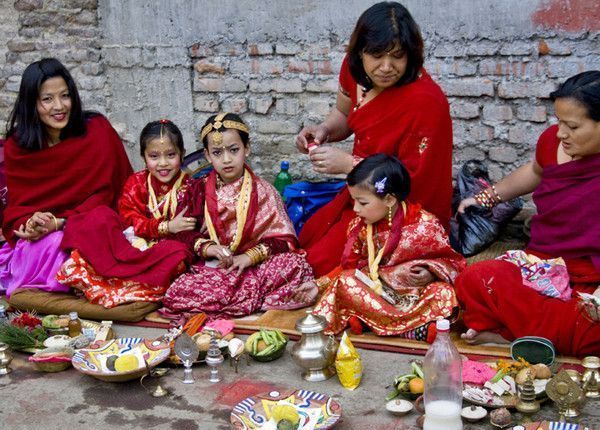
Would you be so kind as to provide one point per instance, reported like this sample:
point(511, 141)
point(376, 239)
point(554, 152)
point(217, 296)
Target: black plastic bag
point(478, 227)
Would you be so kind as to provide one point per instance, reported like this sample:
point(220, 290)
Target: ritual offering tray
point(550, 425)
point(494, 385)
point(303, 410)
point(121, 359)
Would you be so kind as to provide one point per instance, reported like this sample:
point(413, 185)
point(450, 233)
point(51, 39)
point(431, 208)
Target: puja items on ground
point(496, 385)
point(500, 417)
point(348, 364)
point(24, 331)
point(408, 385)
point(53, 359)
point(266, 345)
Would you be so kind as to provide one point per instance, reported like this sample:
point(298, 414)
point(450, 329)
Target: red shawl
point(267, 220)
point(74, 176)
point(568, 206)
point(411, 122)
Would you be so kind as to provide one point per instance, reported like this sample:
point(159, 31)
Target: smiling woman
point(392, 106)
point(60, 161)
point(565, 180)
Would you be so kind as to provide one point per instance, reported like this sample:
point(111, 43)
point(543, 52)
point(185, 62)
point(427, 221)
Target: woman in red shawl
point(398, 267)
point(565, 180)
point(248, 254)
point(60, 161)
point(391, 105)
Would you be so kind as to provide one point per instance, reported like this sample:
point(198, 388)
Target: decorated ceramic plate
point(550, 425)
point(317, 411)
point(120, 359)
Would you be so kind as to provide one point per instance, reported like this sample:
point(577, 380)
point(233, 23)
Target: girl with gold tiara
point(247, 253)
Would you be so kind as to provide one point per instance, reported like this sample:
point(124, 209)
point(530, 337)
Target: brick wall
point(496, 61)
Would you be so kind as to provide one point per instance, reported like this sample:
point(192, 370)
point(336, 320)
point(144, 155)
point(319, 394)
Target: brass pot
point(591, 377)
point(314, 352)
point(5, 359)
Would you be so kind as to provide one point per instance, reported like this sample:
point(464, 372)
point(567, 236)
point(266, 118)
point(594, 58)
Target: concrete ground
point(33, 400)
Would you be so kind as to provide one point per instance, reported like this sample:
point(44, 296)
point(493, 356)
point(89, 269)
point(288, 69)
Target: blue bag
point(304, 198)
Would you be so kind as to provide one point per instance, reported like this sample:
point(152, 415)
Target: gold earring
point(389, 216)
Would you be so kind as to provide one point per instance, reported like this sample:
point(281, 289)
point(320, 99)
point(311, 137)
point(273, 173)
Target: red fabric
point(98, 236)
point(546, 151)
point(411, 122)
point(72, 177)
point(495, 299)
point(133, 203)
point(567, 202)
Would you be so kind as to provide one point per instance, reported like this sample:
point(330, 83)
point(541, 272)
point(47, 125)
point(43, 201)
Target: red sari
point(72, 177)
point(106, 268)
point(492, 292)
point(411, 122)
point(415, 239)
point(282, 281)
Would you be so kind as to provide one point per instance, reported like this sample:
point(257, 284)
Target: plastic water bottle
point(283, 178)
point(443, 382)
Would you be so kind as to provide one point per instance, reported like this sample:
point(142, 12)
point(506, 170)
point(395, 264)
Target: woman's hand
point(221, 253)
point(181, 222)
point(318, 134)
point(420, 276)
point(330, 160)
point(37, 226)
point(240, 263)
point(469, 201)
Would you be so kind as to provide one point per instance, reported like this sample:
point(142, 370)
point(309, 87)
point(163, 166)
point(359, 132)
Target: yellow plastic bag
point(348, 364)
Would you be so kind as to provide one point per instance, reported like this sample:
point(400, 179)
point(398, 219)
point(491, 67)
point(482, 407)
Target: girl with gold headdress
point(247, 253)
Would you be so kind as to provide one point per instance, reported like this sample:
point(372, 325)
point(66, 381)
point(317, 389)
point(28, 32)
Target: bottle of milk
point(443, 382)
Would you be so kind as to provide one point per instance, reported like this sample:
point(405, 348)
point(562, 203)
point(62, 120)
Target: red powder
point(476, 372)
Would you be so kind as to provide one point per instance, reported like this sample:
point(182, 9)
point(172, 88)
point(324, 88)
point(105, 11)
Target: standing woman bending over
point(391, 105)
point(565, 180)
point(60, 161)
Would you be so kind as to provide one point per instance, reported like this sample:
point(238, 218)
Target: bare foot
point(474, 337)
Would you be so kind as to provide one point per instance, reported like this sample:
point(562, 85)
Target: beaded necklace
point(361, 98)
point(169, 201)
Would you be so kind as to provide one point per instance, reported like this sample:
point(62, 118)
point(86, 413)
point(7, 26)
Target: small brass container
point(5, 359)
point(591, 377)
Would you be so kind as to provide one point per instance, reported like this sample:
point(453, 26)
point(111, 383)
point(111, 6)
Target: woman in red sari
point(247, 249)
point(60, 162)
point(398, 267)
point(565, 180)
point(391, 105)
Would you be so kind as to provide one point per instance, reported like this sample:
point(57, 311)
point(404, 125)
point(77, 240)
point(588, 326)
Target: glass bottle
point(443, 382)
point(283, 178)
point(3, 316)
point(74, 325)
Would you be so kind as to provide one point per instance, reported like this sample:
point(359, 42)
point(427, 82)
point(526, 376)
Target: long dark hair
point(386, 171)
point(24, 123)
point(585, 88)
point(155, 129)
point(378, 29)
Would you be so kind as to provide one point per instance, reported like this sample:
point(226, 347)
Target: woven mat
point(286, 322)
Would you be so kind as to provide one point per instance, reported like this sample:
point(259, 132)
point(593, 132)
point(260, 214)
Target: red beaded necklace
point(361, 98)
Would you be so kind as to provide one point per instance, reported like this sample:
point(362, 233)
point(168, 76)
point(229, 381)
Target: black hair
point(156, 129)
point(24, 123)
point(585, 88)
point(378, 29)
point(228, 117)
point(381, 169)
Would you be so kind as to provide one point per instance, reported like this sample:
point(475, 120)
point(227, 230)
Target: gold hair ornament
point(218, 124)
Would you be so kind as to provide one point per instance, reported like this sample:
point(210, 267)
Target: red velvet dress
point(411, 122)
point(492, 292)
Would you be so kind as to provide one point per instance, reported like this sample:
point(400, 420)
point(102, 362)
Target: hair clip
point(380, 185)
point(164, 121)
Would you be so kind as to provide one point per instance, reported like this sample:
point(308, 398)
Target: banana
point(248, 346)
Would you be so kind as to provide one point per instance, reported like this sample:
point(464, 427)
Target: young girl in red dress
point(397, 266)
point(152, 208)
point(247, 252)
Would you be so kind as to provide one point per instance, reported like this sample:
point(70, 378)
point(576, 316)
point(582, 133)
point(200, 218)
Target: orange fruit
point(416, 385)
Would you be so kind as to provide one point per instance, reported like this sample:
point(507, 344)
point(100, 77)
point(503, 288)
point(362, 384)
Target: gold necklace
point(169, 201)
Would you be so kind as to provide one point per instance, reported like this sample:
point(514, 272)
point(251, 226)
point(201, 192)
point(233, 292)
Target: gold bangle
point(163, 228)
point(55, 222)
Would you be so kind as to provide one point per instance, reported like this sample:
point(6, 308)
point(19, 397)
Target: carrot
point(195, 323)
